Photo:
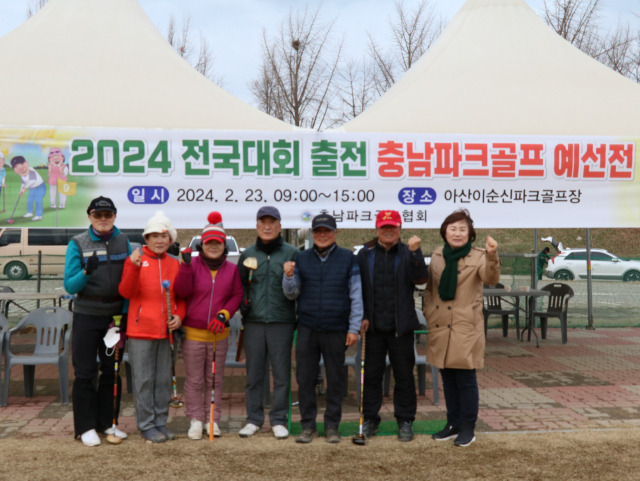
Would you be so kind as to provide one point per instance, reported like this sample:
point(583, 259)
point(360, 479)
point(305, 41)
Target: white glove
point(112, 337)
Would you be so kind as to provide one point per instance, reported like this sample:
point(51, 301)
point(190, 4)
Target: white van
point(19, 250)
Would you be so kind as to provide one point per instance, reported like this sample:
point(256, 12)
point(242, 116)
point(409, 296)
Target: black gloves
point(186, 256)
point(91, 264)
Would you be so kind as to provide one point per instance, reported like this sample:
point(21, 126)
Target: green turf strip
point(386, 428)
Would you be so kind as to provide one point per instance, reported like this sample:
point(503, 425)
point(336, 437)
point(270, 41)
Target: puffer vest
point(324, 303)
point(100, 296)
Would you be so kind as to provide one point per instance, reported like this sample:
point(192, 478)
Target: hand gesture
point(491, 245)
point(186, 255)
point(414, 243)
point(91, 264)
point(289, 267)
point(135, 257)
point(216, 325)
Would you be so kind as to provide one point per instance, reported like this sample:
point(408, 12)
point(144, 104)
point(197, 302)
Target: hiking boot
point(152, 435)
point(405, 431)
point(369, 429)
point(449, 432)
point(248, 430)
point(464, 439)
point(332, 435)
point(195, 430)
point(306, 436)
point(170, 435)
point(280, 432)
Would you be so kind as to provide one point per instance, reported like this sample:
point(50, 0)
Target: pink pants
point(198, 356)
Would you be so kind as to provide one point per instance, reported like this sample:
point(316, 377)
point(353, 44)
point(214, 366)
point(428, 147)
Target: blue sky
point(234, 27)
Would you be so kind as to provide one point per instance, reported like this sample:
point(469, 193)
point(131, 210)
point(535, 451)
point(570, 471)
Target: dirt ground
point(583, 455)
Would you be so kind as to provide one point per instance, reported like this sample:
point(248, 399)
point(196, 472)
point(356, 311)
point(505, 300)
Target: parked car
point(233, 253)
point(19, 249)
point(571, 264)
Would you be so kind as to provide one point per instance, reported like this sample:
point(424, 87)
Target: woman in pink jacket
point(212, 288)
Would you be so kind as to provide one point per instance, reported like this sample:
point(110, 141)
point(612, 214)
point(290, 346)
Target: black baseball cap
point(101, 203)
point(323, 220)
point(268, 210)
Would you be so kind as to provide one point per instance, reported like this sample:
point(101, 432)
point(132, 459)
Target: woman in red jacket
point(149, 324)
point(212, 288)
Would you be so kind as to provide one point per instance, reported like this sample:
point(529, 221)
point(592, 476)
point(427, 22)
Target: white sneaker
point(216, 429)
point(38, 217)
point(280, 432)
point(117, 432)
point(53, 206)
point(195, 430)
point(248, 430)
point(29, 214)
point(90, 438)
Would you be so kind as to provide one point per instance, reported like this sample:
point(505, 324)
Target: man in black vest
point(92, 270)
point(326, 281)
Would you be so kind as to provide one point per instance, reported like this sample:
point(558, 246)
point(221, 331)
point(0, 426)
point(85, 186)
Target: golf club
point(175, 401)
point(359, 438)
point(112, 438)
point(251, 263)
point(3, 199)
point(10, 220)
point(212, 413)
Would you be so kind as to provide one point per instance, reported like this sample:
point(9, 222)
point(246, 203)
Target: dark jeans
point(402, 358)
point(461, 395)
point(310, 345)
point(92, 408)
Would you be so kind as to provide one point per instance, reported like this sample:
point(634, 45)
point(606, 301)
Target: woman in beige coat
point(453, 309)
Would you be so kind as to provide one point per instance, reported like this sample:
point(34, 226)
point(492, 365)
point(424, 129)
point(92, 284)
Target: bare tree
point(33, 6)
point(296, 81)
point(412, 33)
point(578, 22)
point(183, 44)
point(356, 89)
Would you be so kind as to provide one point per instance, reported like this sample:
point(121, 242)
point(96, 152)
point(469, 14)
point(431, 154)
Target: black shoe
point(405, 431)
point(464, 439)
point(153, 435)
point(449, 432)
point(332, 435)
point(369, 429)
point(306, 436)
point(170, 435)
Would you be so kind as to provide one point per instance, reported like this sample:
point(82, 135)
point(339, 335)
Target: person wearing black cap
point(269, 324)
point(93, 268)
point(326, 282)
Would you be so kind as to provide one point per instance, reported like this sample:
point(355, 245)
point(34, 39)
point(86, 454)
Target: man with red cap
point(390, 271)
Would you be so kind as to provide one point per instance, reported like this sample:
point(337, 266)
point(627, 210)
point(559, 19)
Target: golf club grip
point(240, 345)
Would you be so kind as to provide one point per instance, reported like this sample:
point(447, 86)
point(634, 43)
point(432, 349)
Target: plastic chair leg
point(29, 379)
point(63, 374)
point(435, 381)
point(543, 327)
point(505, 325)
point(563, 329)
point(422, 374)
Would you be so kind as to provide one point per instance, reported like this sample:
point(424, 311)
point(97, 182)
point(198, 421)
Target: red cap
point(388, 217)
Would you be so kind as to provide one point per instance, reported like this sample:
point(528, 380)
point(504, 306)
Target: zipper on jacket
point(163, 308)
point(267, 284)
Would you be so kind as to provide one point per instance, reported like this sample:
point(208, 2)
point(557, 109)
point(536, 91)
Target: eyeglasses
point(102, 215)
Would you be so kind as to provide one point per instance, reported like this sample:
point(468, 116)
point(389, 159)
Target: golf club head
point(176, 403)
point(113, 439)
point(251, 263)
point(359, 440)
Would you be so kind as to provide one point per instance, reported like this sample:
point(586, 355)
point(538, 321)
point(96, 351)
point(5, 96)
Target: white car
point(233, 253)
point(571, 264)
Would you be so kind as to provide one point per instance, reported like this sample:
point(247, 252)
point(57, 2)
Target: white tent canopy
point(99, 63)
point(498, 69)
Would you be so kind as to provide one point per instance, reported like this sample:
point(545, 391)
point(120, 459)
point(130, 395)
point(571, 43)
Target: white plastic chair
point(53, 334)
